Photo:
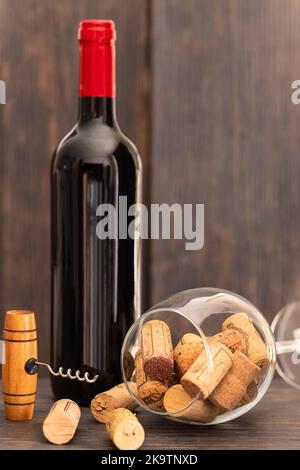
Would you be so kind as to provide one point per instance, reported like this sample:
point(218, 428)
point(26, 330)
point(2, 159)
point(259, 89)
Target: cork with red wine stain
point(157, 350)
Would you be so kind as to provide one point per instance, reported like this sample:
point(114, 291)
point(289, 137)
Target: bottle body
point(95, 273)
point(95, 282)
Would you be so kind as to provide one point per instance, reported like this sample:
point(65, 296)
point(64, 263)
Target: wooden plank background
point(204, 90)
point(226, 134)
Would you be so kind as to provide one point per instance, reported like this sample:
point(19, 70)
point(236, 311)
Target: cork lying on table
point(177, 398)
point(157, 350)
point(256, 349)
point(116, 397)
point(125, 430)
point(61, 422)
point(150, 392)
point(200, 379)
point(233, 387)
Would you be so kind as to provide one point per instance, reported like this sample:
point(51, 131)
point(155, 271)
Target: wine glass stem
point(285, 347)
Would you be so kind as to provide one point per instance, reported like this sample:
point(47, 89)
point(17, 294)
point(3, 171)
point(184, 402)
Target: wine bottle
point(95, 281)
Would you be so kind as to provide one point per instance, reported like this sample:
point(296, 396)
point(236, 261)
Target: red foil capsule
point(97, 58)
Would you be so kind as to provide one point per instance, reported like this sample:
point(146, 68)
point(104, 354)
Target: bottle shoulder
point(129, 145)
point(97, 143)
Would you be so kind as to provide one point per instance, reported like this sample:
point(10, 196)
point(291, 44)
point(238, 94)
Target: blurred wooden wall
point(226, 134)
point(204, 90)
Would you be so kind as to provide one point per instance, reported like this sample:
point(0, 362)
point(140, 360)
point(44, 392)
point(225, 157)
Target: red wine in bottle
point(95, 280)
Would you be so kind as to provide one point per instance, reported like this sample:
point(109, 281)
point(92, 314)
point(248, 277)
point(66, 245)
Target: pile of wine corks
point(181, 381)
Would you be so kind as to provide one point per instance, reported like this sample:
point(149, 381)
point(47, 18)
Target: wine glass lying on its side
point(208, 355)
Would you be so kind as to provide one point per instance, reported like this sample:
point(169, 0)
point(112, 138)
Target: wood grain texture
point(261, 428)
point(39, 63)
point(226, 134)
point(19, 388)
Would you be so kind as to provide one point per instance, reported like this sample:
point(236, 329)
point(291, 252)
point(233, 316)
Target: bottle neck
point(95, 107)
point(97, 87)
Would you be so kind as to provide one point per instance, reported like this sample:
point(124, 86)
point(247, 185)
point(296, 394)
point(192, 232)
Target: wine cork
point(61, 423)
point(128, 364)
point(172, 380)
point(256, 349)
point(233, 339)
point(157, 350)
point(150, 392)
point(116, 397)
point(233, 387)
point(177, 398)
point(184, 356)
point(125, 430)
point(189, 338)
point(199, 379)
point(251, 393)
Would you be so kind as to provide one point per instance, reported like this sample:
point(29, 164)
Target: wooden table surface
point(273, 424)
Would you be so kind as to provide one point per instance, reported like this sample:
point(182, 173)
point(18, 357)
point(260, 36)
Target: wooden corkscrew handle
point(20, 344)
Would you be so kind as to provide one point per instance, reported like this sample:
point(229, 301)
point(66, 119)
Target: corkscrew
point(32, 366)
point(20, 365)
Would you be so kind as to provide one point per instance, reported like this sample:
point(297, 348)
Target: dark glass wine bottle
point(95, 280)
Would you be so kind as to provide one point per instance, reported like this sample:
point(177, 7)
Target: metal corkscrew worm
point(32, 367)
